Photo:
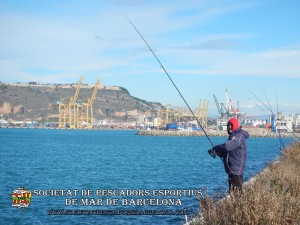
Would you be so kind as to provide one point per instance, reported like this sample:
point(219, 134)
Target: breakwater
point(214, 133)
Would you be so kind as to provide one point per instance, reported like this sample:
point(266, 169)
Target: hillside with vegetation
point(40, 102)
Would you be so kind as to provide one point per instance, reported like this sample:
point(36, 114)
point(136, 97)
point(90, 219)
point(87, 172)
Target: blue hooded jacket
point(234, 152)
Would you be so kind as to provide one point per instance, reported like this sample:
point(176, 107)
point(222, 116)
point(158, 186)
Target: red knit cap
point(235, 123)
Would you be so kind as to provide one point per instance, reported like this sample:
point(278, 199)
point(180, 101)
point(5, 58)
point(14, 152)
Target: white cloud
point(281, 62)
point(98, 41)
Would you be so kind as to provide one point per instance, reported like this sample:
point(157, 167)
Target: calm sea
point(44, 160)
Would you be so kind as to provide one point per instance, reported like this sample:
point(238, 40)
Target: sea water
point(80, 161)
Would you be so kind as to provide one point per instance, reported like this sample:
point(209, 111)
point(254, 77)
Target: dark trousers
point(235, 182)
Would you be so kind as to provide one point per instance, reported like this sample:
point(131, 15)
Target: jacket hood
point(235, 123)
point(245, 133)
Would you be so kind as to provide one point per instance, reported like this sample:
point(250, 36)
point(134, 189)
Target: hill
point(21, 102)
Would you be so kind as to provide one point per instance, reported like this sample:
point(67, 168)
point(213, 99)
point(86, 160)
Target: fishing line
point(170, 80)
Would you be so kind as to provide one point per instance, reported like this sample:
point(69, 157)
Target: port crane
point(201, 112)
point(85, 110)
point(67, 116)
point(73, 106)
point(74, 113)
point(233, 112)
point(173, 114)
point(163, 117)
point(63, 112)
point(223, 111)
point(89, 105)
point(227, 111)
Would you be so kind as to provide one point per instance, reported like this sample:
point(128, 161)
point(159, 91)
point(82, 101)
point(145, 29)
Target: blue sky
point(206, 46)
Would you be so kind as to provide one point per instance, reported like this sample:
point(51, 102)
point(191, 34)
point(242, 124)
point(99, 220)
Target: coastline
point(214, 133)
point(258, 133)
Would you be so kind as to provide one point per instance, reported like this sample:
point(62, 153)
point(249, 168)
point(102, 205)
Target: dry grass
point(273, 197)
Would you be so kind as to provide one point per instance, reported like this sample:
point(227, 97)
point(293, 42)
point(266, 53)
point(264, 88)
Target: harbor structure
point(74, 113)
point(84, 113)
point(182, 117)
point(227, 111)
point(66, 109)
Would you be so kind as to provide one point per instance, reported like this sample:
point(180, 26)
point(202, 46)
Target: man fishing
point(233, 154)
point(234, 151)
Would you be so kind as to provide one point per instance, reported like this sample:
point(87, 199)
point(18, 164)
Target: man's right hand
point(212, 152)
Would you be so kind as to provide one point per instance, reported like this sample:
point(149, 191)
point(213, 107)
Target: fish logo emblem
point(21, 198)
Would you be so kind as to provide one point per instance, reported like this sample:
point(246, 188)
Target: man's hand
point(212, 152)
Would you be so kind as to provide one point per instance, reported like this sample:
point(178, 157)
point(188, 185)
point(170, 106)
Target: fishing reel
point(212, 153)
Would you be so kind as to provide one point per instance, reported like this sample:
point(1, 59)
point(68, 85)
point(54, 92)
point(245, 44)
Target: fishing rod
point(171, 81)
point(255, 103)
point(270, 110)
point(281, 144)
point(285, 126)
point(269, 102)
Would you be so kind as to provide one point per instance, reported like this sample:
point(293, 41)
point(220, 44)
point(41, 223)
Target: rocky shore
point(213, 133)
